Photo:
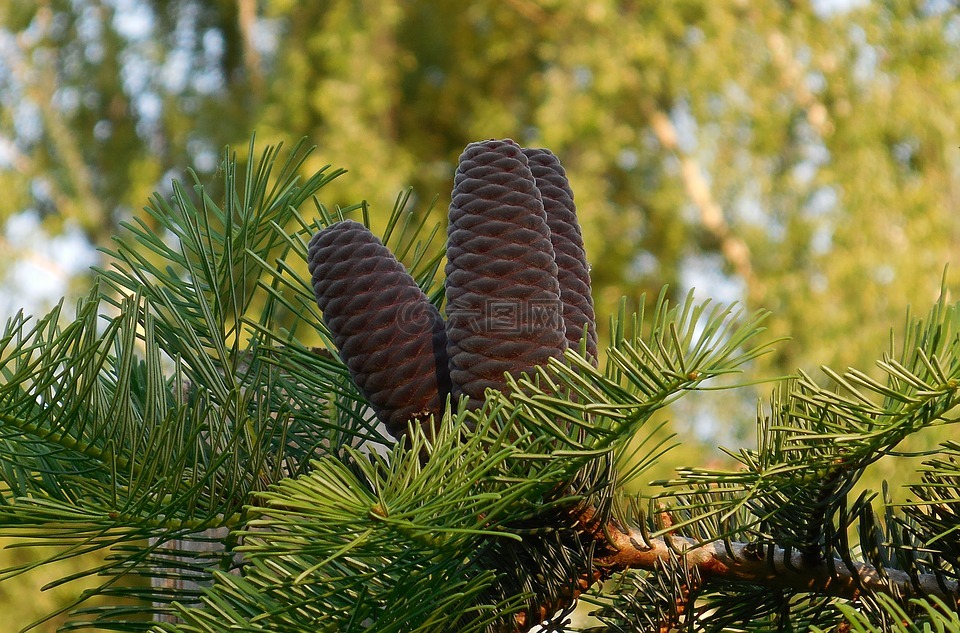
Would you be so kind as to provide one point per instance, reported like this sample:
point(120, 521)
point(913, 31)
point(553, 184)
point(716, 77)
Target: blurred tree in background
point(798, 156)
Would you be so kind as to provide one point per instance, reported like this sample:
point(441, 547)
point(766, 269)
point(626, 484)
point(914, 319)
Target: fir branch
point(815, 441)
point(205, 403)
point(771, 567)
point(501, 492)
point(156, 424)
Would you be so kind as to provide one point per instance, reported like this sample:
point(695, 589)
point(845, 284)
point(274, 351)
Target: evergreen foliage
point(194, 423)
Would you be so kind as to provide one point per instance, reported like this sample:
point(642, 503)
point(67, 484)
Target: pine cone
point(503, 296)
point(573, 270)
point(390, 336)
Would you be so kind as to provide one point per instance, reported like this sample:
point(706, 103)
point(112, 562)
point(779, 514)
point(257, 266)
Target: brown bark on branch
point(745, 562)
point(618, 549)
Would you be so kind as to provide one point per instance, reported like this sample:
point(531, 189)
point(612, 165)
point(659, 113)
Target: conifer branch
point(618, 549)
point(769, 566)
point(498, 515)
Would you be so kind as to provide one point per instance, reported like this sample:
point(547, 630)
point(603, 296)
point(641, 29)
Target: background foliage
point(798, 156)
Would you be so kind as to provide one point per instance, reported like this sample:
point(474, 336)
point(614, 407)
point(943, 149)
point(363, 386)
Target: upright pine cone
point(503, 296)
point(573, 270)
point(390, 336)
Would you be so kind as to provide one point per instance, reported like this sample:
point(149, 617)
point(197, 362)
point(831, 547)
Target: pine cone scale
point(573, 271)
point(386, 329)
point(503, 295)
point(517, 289)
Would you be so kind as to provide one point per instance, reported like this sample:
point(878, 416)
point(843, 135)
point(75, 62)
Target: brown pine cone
point(503, 297)
point(390, 336)
point(573, 270)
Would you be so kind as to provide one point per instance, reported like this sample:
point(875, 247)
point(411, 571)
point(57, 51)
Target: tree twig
point(773, 567)
point(619, 548)
point(733, 248)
